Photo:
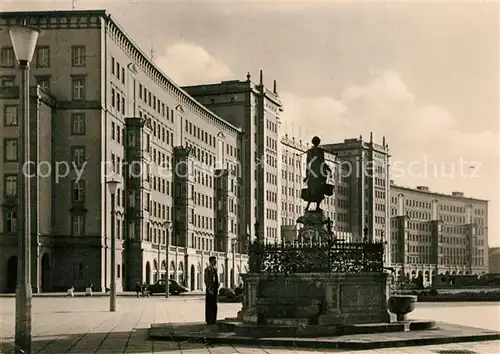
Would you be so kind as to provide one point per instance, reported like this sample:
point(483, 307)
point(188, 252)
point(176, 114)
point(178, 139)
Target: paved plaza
point(84, 325)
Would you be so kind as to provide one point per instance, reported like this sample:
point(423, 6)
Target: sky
point(423, 74)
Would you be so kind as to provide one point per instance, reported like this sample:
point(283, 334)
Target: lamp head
point(24, 40)
point(112, 184)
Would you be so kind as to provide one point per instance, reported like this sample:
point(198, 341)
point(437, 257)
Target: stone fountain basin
point(288, 308)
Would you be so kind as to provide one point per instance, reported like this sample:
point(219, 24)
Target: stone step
point(309, 331)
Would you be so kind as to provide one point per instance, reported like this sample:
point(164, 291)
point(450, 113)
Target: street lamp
point(24, 40)
point(167, 265)
point(112, 185)
point(235, 242)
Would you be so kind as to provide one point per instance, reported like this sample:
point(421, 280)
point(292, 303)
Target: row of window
point(42, 57)
point(289, 161)
point(443, 207)
point(10, 223)
point(10, 81)
point(78, 85)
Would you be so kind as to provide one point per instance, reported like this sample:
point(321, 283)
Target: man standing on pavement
point(212, 287)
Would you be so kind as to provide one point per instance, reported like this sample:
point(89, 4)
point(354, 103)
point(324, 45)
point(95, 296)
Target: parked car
point(174, 287)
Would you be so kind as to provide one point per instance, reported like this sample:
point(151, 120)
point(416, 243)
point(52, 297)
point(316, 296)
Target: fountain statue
point(316, 225)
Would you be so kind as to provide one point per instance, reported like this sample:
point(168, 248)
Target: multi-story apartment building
point(256, 111)
point(363, 194)
point(115, 113)
point(293, 168)
point(41, 112)
point(434, 233)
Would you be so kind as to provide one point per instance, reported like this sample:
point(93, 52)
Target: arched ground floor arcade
point(59, 263)
point(187, 267)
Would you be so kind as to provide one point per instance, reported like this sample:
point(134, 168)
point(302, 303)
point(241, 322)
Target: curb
point(58, 295)
point(318, 343)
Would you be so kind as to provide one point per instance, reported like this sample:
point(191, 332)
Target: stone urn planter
point(401, 305)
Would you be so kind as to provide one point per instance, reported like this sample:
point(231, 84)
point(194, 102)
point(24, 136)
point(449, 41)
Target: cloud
point(385, 106)
point(189, 64)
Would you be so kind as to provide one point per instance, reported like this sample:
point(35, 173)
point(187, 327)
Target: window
point(77, 271)
point(78, 56)
point(10, 221)
point(7, 57)
point(131, 231)
point(78, 155)
point(131, 139)
point(10, 115)
point(43, 82)
point(112, 65)
point(10, 185)
point(77, 225)
point(78, 124)
point(78, 84)
point(7, 81)
point(10, 150)
point(78, 195)
point(42, 57)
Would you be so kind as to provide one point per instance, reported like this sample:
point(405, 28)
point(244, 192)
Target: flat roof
point(429, 192)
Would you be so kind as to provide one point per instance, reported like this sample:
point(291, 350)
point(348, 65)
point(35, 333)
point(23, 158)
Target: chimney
point(275, 90)
point(423, 188)
point(261, 77)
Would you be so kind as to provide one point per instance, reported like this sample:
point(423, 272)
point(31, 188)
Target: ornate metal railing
point(316, 257)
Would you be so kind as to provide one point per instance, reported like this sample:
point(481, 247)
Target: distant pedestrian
point(88, 290)
point(138, 288)
point(145, 290)
point(212, 287)
point(71, 291)
point(239, 290)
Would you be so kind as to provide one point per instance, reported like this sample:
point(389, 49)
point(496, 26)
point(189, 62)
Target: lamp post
point(112, 185)
point(235, 242)
point(24, 40)
point(258, 246)
point(167, 265)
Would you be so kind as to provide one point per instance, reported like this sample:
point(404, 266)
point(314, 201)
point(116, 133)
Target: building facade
point(437, 234)
point(256, 110)
point(41, 112)
point(117, 115)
